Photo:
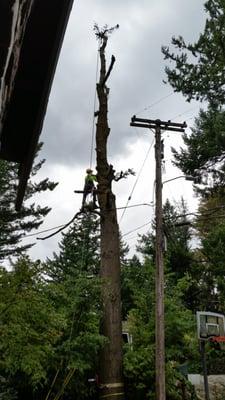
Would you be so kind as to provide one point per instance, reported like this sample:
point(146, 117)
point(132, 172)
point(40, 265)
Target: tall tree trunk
point(111, 380)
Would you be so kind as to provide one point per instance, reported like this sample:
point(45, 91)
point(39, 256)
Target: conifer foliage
point(79, 250)
point(199, 68)
point(14, 225)
point(74, 289)
point(204, 153)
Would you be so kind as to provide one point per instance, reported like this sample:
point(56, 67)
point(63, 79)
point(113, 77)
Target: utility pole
point(204, 368)
point(158, 126)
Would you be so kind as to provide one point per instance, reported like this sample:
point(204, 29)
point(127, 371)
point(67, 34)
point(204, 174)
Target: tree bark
point(110, 374)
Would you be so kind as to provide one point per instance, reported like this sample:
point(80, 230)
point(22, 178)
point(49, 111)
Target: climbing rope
point(65, 383)
point(93, 120)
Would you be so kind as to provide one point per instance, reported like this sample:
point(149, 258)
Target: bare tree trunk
point(111, 380)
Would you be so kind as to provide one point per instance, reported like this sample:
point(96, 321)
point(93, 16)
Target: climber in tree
point(89, 187)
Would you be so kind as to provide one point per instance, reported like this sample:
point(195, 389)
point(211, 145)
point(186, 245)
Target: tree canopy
point(14, 225)
point(199, 68)
point(204, 152)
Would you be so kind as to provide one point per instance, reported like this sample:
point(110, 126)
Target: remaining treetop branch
point(113, 59)
point(104, 32)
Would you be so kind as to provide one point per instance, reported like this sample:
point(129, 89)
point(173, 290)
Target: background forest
point(50, 311)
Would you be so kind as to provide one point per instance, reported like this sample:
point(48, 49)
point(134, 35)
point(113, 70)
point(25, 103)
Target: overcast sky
point(136, 87)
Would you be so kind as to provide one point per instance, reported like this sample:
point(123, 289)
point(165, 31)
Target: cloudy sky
point(136, 87)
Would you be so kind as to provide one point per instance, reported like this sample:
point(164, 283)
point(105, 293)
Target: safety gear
point(89, 188)
point(90, 179)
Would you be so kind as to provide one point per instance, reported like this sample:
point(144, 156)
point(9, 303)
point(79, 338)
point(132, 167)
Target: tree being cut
point(110, 373)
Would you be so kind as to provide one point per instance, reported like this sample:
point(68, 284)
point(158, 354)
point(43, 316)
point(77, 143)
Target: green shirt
point(90, 178)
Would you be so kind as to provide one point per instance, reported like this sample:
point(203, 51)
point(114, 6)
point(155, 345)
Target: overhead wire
point(146, 108)
point(62, 228)
point(44, 231)
point(155, 103)
point(185, 112)
point(136, 205)
point(207, 214)
point(136, 229)
point(63, 225)
point(199, 214)
point(136, 181)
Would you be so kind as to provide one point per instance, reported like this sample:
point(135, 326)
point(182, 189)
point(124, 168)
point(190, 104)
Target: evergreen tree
point(30, 328)
point(74, 289)
point(204, 152)
point(211, 213)
point(183, 265)
point(132, 278)
point(14, 225)
point(79, 250)
point(177, 236)
point(211, 230)
point(199, 71)
point(6, 390)
point(50, 316)
point(139, 361)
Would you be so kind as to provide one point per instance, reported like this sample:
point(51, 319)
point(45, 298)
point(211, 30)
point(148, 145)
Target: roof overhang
point(27, 107)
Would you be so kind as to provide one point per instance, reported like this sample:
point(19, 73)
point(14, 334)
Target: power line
point(185, 112)
point(44, 231)
point(60, 226)
point(179, 216)
point(136, 205)
point(136, 229)
point(155, 103)
point(197, 214)
point(132, 238)
point(135, 183)
point(63, 227)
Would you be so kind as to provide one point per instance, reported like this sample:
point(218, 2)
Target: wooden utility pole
point(204, 369)
point(159, 125)
point(159, 284)
point(110, 373)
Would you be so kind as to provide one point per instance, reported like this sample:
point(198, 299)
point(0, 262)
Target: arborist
point(89, 187)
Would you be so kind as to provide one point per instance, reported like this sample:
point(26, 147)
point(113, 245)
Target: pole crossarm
point(153, 123)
